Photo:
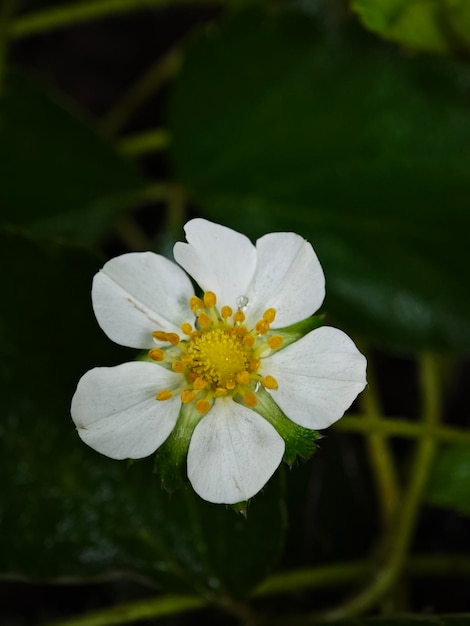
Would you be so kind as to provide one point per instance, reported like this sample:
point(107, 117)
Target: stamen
point(270, 382)
point(226, 312)
point(178, 367)
point(160, 335)
point(239, 317)
point(262, 327)
point(173, 338)
point(204, 319)
point(202, 406)
point(220, 391)
point(196, 304)
point(230, 385)
point(210, 299)
point(165, 394)
point(254, 364)
point(269, 315)
point(186, 328)
point(275, 342)
point(250, 399)
point(200, 383)
point(156, 354)
point(249, 341)
point(243, 378)
point(187, 396)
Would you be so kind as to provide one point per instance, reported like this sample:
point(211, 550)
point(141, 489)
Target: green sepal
point(170, 460)
point(300, 441)
point(296, 331)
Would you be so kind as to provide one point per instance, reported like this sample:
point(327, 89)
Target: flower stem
point(143, 143)
point(65, 15)
point(133, 611)
point(380, 455)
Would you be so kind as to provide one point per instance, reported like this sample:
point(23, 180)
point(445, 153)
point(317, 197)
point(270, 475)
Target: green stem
point(397, 427)
point(139, 93)
point(144, 143)
point(53, 18)
point(133, 611)
point(380, 455)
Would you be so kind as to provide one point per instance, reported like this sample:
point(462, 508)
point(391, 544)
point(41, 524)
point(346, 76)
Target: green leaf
point(449, 484)
point(67, 512)
point(417, 24)
point(58, 177)
point(362, 151)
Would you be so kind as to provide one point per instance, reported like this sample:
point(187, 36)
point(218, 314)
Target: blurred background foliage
point(347, 122)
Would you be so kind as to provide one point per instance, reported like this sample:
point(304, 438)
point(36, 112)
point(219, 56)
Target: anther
point(239, 317)
point(178, 367)
point(187, 396)
point(156, 354)
point(202, 406)
point(173, 338)
point(196, 304)
point(226, 312)
point(269, 382)
point(210, 299)
point(204, 319)
point(230, 385)
point(254, 364)
point(250, 399)
point(249, 341)
point(243, 378)
point(220, 391)
point(160, 335)
point(186, 328)
point(269, 315)
point(262, 327)
point(164, 394)
point(275, 342)
point(200, 383)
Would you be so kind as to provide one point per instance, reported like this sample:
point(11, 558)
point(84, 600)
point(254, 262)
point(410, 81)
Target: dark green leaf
point(68, 512)
point(449, 485)
point(57, 176)
point(336, 137)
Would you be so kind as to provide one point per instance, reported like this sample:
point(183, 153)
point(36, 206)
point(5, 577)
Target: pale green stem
point(380, 454)
point(144, 143)
point(141, 91)
point(65, 15)
point(133, 611)
point(397, 427)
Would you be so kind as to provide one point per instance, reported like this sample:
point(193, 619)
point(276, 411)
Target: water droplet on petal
point(242, 302)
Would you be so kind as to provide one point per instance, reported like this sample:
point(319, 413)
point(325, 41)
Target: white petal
point(319, 376)
point(233, 453)
point(137, 293)
point(218, 258)
point(116, 413)
point(288, 277)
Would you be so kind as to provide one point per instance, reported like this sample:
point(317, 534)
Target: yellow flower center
point(220, 356)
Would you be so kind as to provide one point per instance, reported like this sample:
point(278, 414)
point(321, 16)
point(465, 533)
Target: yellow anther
point(270, 382)
point(269, 315)
point(254, 364)
point(202, 406)
point(164, 394)
point(275, 342)
point(200, 383)
point(262, 327)
point(250, 399)
point(178, 367)
point(204, 319)
point(240, 330)
point(186, 358)
point(156, 354)
point(243, 378)
point(239, 316)
point(249, 341)
point(226, 312)
point(160, 335)
point(196, 304)
point(230, 385)
point(220, 391)
point(187, 396)
point(186, 328)
point(210, 299)
point(173, 338)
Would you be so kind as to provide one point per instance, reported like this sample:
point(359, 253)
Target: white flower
point(213, 358)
